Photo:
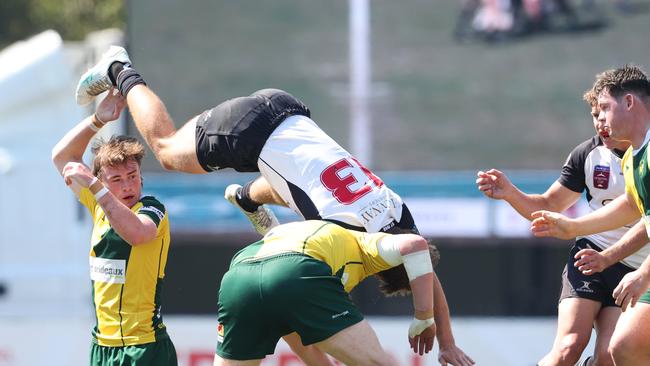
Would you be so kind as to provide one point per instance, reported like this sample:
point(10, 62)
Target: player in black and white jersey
point(593, 167)
point(269, 131)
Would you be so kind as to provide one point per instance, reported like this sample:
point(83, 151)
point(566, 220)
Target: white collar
point(645, 142)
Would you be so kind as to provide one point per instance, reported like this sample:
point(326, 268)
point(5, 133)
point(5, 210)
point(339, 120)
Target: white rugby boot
point(96, 80)
point(263, 219)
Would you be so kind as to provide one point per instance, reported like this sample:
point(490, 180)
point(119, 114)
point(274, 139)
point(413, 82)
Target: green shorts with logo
point(645, 298)
point(159, 353)
point(262, 300)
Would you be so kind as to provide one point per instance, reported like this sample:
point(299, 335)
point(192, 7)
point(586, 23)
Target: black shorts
point(232, 134)
point(597, 287)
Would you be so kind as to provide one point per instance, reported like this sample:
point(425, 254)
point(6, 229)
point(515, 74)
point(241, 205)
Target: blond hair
point(590, 97)
point(117, 150)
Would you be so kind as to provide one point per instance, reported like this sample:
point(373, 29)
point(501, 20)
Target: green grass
point(437, 104)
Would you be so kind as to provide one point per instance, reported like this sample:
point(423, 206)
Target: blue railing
point(196, 202)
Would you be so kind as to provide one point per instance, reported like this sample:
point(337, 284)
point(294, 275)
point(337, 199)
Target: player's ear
point(629, 100)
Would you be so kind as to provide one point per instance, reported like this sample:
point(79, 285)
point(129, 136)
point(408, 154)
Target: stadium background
point(440, 110)
point(436, 106)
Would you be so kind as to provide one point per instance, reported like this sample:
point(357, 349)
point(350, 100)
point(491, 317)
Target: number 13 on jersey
point(340, 176)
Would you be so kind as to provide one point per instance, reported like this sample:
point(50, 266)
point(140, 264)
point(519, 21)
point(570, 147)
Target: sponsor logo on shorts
point(585, 287)
point(601, 176)
point(107, 270)
point(340, 314)
point(219, 333)
point(345, 277)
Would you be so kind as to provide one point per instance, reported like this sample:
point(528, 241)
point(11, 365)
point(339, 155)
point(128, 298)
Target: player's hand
point(77, 173)
point(631, 287)
point(590, 261)
point(110, 108)
point(493, 183)
point(547, 223)
point(452, 355)
point(422, 342)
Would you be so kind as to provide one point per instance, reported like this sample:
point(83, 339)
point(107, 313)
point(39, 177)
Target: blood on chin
point(128, 200)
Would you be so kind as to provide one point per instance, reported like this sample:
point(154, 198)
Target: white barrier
point(489, 341)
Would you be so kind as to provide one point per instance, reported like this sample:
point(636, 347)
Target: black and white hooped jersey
point(597, 170)
point(319, 179)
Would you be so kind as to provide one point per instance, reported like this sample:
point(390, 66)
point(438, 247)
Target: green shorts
point(263, 300)
point(645, 298)
point(159, 353)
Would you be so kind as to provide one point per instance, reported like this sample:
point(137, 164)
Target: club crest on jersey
point(220, 333)
point(641, 167)
point(601, 176)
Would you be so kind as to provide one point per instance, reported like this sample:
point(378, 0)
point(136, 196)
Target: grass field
point(437, 104)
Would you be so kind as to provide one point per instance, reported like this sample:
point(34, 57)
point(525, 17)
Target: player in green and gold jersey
point(624, 103)
point(129, 243)
point(297, 279)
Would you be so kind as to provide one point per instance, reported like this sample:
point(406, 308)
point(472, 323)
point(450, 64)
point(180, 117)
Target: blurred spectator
point(497, 20)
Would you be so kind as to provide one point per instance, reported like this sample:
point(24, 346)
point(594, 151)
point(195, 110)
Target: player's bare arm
point(495, 184)
point(619, 212)
point(73, 145)
point(590, 261)
point(632, 286)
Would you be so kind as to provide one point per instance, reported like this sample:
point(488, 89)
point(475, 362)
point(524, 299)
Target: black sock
point(244, 199)
point(127, 79)
point(114, 70)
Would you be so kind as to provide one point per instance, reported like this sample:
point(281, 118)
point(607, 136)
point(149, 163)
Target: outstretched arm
point(448, 353)
point(495, 184)
point(414, 251)
point(73, 145)
point(617, 213)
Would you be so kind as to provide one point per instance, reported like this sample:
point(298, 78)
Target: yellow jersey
point(127, 280)
point(637, 180)
point(351, 255)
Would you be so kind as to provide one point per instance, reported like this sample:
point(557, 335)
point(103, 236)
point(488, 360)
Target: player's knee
point(621, 349)
point(603, 358)
point(166, 162)
point(165, 154)
point(571, 348)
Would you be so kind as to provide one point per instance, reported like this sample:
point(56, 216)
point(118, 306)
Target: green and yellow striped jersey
point(127, 280)
point(352, 255)
point(637, 179)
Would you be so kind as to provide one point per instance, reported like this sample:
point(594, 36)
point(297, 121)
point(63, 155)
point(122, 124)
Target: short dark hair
point(394, 281)
point(623, 80)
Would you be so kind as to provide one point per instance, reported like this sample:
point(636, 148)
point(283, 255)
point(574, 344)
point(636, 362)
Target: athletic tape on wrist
point(96, 124)
point(101, 193)
point(99, 120)
point(95, 185)
point(417, 264)
point(93, 127)
point(418, 326)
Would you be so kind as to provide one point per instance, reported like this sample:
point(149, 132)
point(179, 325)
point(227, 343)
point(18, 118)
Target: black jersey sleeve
point(573, 172)
point(152, 208)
